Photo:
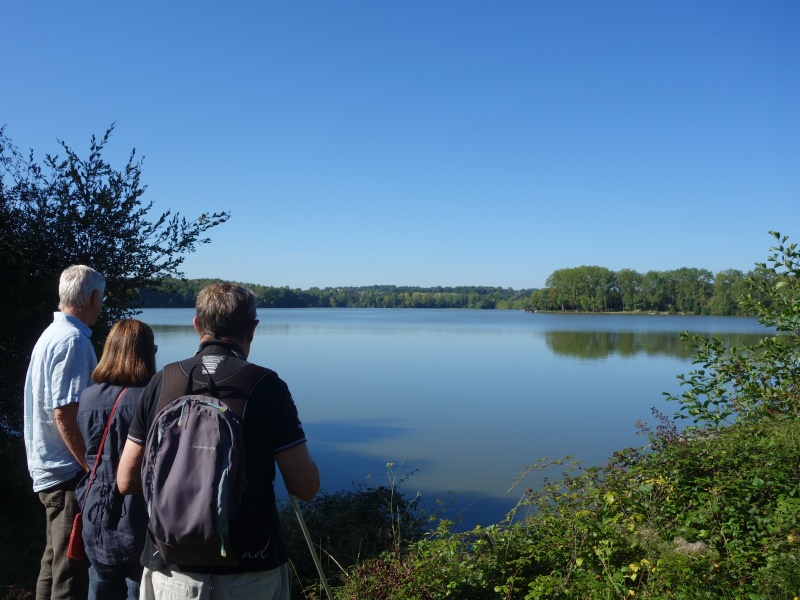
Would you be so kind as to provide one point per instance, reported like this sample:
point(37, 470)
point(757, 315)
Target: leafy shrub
point(748, 382)
point(349, 527)
point(706, 516)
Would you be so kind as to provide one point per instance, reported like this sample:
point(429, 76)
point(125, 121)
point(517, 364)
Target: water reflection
point(594, 345)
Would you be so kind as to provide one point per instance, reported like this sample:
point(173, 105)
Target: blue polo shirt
point(61, 368)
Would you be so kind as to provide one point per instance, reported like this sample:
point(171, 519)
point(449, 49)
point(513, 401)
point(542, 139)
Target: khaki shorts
point(177, 585)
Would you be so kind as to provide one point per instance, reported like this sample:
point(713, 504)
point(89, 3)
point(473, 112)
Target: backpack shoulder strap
point(175, 379)
point(172, 385)
point(247, 379)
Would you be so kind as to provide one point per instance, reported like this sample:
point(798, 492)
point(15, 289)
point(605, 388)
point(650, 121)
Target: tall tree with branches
point(74, 210)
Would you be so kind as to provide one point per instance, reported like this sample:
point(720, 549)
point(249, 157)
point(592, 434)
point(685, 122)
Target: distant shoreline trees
point(580, 289)
point(176, 293)
point(686, 290)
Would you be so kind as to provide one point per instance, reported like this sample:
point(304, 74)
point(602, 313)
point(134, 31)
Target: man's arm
point(299, 471)
point(66, 419)
point(129, 471)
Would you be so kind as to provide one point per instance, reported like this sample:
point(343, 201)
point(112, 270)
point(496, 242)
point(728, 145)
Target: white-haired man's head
point(80, 292)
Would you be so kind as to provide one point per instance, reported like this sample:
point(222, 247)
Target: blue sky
point(431, 143)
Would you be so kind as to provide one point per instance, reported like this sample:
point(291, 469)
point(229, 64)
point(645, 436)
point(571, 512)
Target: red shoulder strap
point(97, 458)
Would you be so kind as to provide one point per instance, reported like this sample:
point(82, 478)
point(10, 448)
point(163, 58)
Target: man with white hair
point(60, 369)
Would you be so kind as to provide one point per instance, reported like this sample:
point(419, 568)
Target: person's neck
point(78, 313)
point(233, 341)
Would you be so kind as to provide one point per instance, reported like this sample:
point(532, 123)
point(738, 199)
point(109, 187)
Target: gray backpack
point(193, 474)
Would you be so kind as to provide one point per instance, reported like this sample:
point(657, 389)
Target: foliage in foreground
point(710, 512)
point(705, 516)
point(351, 527)
point(747, 383)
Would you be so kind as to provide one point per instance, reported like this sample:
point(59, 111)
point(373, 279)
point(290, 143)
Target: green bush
point(349, 527)
point(704, 516)
point(750, 382)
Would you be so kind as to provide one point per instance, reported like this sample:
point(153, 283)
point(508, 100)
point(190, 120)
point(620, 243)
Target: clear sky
point(431, 142)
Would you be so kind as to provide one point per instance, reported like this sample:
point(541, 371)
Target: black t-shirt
point(270, 426)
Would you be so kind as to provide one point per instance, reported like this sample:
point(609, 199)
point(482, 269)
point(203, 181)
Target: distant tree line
point(578, 289)
point(685, 290)
point(177, 293)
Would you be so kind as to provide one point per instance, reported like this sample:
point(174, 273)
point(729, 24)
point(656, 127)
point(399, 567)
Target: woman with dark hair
point(114, 526)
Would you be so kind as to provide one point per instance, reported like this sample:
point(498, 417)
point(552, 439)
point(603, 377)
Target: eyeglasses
point(155, 348)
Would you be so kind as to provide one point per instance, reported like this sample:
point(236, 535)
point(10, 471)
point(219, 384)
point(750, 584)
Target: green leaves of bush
point(747, 383)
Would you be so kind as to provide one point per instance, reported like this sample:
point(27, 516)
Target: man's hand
point(66, 418)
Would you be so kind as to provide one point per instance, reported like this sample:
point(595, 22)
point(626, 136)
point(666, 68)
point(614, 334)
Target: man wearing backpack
point(272, 434)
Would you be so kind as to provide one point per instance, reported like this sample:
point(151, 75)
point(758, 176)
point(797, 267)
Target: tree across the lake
point(686, 290)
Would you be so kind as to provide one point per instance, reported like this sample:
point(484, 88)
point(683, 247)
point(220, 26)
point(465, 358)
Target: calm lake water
point(464, 398)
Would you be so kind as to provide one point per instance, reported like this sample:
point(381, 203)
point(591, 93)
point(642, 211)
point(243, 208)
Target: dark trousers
point(107, 582)
point(59, 576)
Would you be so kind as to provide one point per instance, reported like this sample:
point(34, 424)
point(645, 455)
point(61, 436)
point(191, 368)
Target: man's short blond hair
point(225, 309)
